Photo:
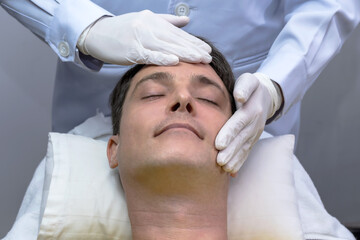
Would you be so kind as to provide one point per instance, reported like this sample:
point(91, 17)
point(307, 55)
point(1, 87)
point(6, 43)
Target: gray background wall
point(27, 69)
point(328, 146)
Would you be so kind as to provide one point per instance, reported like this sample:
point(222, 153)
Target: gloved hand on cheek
point(257, 100)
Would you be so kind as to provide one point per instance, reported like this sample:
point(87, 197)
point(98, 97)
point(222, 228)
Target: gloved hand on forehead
point(143, 37)
point(257, 99)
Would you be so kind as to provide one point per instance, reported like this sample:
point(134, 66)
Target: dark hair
point(117, 97)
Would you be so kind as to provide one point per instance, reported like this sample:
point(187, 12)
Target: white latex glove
point(143, 37)
point(256, 99)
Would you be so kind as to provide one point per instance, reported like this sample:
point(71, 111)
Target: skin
point(166, 152)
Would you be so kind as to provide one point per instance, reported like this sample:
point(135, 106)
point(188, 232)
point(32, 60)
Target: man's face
point(172, 114)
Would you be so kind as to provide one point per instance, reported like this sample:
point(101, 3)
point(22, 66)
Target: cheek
point(213, 122)
point(132, 125)
point(137, 126)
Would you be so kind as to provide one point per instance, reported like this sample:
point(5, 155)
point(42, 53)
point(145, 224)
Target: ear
point(111, 150)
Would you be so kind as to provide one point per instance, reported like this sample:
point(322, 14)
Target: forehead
point(183, 71)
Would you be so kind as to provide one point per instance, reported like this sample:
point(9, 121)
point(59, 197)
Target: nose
point(182, 102)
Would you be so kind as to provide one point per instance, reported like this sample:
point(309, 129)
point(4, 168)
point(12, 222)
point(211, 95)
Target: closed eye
point(153, 96)
point(208, 101)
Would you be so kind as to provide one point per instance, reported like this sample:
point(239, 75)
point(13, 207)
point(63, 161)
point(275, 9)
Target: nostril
point(175, 107)
point(189, 108)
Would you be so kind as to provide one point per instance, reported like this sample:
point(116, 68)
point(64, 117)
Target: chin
point(194, 155)
point(179, 151)
point(169, 164)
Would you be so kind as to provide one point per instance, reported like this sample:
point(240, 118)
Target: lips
point(179, 125)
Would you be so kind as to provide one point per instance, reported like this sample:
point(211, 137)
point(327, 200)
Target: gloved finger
point(201, 59)
point(172, 33)
point(194, 56)
point(178, 21)
point(147, 56)
point(179, 36)
point(239, 164)
point(186, 53)
point(236, 123)
point(188, 47)
point(245, 85)
point(226, 155)
point(204, 56)
point(183, 52)
point(237, 159)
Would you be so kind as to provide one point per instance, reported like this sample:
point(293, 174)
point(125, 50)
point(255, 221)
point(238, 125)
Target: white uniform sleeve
point(314, 32)
point(57, 22)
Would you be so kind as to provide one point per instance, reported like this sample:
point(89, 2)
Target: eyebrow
point(158, 76)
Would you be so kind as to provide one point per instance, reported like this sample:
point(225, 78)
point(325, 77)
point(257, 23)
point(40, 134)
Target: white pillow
point(86, 201)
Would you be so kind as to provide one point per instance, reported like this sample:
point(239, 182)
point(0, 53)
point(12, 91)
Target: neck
point(178, 202)
point(179, 220)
